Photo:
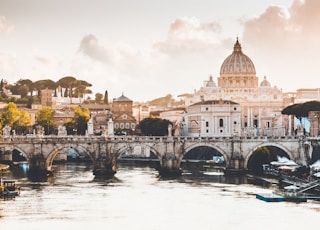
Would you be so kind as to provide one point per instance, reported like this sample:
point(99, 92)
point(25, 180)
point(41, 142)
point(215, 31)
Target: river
point(137, 198)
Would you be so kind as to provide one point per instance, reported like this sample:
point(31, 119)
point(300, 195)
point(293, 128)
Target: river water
point(137, 198)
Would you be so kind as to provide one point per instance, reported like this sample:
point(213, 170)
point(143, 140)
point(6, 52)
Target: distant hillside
point(167, 102)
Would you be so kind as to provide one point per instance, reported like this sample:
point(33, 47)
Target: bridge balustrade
point(170, 149)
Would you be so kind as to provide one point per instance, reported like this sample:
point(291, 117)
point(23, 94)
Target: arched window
point(220, 122)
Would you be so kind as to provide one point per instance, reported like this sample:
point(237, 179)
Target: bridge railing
point(129, 138)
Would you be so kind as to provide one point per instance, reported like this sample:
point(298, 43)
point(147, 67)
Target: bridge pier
point(236, 163)
point(38, 168)
point(169, 166)
point(104, 167)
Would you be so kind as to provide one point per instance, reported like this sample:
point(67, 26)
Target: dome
point(210, 83)
point(122, 98)
point(265, 82)
point(237, 62)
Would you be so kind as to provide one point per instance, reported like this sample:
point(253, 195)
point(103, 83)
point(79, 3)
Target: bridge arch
point(283, 148)
point(133, 145)
point(196, 145)
point(56, 150)
point(21, 149)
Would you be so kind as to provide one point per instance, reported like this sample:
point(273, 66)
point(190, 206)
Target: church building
point(124, 121)
point(258, 106)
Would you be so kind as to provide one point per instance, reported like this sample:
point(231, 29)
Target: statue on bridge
point(110, 127)
point(40, 130)
point(62, 131)
point(90, 127)
point(169, 130)
point(6, 131)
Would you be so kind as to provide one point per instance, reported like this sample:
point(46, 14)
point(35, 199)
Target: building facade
point(46, 97)
point(123, 119)
point(260, 104)
point(212, 118)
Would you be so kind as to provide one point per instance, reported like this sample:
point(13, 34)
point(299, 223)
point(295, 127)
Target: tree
point(70, 126)
point(81, 88)
point(99, 98)
point(68, 83)
point(80, 119)
point(154, 126)
point(44, 84)
point(28, 84)
point(17, 89)
point(24, 121)
point(10, 115)
point(106, 97)
point(45, 118)
point(301, 110)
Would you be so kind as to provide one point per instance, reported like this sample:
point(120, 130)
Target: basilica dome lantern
point(238, 71)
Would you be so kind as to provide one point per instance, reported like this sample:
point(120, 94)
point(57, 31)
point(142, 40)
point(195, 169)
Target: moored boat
point(4, 168)
point(291, 193)
point(8, 189)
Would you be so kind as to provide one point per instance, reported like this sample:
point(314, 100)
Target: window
point(220, 122)
point(207, 123)
point(127, 125)
point(121, 126)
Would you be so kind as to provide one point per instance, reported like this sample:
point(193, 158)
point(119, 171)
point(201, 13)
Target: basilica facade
point(237, 104)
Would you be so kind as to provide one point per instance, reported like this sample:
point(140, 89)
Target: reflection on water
point(137, 198)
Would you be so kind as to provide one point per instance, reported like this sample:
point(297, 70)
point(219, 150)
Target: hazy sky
point(147, 49)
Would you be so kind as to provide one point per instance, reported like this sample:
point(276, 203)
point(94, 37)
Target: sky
point(147, 49)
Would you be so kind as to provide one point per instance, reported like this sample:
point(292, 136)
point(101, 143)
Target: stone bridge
point(104, 151)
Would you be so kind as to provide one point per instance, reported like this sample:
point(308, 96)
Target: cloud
point(192, 50)
point(5, 26)
point(305, 16)
point(189, 36)
point(42, 59)
point(285, 43)
point(90, 46)
point(284, 28)
point(186, 36)
point(192, 28)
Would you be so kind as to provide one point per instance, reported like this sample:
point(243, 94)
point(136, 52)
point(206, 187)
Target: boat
point(291, 193)
point(8, 189)
point(4, 168)
point(273, 197)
